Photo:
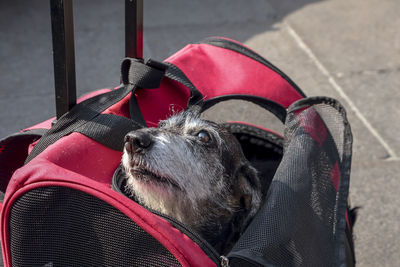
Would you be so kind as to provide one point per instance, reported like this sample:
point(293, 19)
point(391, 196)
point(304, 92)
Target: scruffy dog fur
point(195, 171)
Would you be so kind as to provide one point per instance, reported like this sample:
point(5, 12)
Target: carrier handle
point(130, 75)
point(278, 110)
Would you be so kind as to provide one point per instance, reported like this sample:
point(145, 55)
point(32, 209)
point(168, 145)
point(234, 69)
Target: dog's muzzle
point(138, 141)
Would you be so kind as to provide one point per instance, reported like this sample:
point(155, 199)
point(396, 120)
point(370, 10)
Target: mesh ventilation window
point(59, 226)
point(302, 222)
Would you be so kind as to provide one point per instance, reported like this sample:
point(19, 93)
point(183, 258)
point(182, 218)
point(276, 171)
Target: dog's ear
point(248, 192)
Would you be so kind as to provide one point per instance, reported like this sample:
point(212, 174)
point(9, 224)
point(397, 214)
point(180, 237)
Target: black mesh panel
point(302, 222)
point(59, 226)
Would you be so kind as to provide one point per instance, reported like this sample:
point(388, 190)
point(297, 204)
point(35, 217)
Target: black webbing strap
point(128, 75)
point(109, 130)
point(275, 108)
point(141, 75)
point(171, 71)
point(135, 73)
point(135, 112)
point(174, 73)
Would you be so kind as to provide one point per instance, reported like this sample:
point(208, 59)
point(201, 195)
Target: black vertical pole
point(134, 28)
point(63, 55)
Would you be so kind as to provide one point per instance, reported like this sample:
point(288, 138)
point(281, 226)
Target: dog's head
point(195, 171)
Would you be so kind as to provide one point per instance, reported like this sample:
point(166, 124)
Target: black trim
point(272, 138)
point(350, 254)
point(315, 100)
point(275, 108)
point(227, 44)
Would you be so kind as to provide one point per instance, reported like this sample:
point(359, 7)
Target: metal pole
point(63, 55)
point(134, 28)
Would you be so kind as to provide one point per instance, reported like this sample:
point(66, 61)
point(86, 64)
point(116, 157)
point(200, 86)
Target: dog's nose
point(138, 141)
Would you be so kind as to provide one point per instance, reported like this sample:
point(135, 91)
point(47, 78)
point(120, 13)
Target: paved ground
point(349, 50)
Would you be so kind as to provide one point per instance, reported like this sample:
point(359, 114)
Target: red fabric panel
point(85, 156)
point(121, 108)
point(218, 71)
point(43, 173)
point(159, 104)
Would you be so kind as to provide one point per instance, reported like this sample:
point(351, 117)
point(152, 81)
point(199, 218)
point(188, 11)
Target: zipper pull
point(224, 261)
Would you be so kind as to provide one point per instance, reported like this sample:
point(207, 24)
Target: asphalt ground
point(349, 50)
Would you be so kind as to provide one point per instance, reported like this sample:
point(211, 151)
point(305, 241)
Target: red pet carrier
point(64, 203)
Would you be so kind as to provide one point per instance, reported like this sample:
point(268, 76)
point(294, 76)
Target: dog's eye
point(204, 136)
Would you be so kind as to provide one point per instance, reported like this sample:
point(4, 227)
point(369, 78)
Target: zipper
point(237, 47)
point(224, 261)
point(195, 237)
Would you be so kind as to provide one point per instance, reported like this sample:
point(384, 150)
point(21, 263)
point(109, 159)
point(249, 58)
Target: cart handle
point(63, 55)
point(134, 28)
point(63, 47)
